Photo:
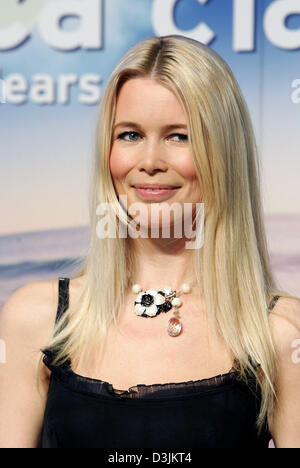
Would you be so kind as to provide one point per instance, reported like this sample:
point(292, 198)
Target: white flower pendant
point(152, 302)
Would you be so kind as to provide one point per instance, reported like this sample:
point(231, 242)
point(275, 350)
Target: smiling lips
point(155, 186)
point(155, 191)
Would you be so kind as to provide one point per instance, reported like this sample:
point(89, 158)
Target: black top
point(219, 412)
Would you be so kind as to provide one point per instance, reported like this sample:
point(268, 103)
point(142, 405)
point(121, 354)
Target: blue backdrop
point(55, 57)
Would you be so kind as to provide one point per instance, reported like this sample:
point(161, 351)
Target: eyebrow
point(138, 127)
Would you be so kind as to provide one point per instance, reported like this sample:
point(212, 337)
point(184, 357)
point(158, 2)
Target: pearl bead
point(136, 288)
point(176, 302)
point(186, 288)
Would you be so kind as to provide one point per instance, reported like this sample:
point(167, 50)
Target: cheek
point(118, 164)
point(187, 170)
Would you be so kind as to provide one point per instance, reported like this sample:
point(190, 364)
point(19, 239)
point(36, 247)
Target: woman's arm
point(285, 325)
point(26, 323)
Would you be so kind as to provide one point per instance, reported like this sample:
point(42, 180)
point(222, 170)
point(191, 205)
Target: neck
point(162, 262)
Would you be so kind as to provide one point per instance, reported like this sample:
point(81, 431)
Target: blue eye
point(122, 135)
point(182, 138)
point(185, 137)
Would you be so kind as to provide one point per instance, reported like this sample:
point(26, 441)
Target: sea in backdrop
point(40, 255)
point(49, 254)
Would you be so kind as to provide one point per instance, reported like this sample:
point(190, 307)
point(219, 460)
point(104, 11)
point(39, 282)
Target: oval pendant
point(174, 327)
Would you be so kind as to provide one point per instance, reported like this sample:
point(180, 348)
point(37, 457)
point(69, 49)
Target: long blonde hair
point(232, 268)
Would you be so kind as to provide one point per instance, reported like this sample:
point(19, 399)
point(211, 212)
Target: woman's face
point(150, 146)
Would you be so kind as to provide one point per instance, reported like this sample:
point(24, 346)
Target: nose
point(153, 158)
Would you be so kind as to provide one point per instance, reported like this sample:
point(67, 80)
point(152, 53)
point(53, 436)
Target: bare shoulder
point(285, 323)
point(31, 309)
point(27, 318)
point(285, 328)
point(27, 321)
point(76, 285)
point(26, 324)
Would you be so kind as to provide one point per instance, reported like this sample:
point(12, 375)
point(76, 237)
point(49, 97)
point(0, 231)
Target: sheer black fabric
point(219, 412)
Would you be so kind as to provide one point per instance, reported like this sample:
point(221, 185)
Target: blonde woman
point(156, 344)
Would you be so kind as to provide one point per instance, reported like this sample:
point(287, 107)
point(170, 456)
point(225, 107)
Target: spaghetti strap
point(273, 302)
point(63, 305)
point(63, 297)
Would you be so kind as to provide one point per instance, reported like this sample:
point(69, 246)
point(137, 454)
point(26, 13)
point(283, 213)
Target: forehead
point(141, 98)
